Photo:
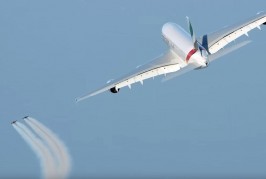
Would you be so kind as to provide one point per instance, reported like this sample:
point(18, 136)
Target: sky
point(207, 123)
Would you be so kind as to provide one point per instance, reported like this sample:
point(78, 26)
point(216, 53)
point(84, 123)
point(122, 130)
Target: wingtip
point(77, 100)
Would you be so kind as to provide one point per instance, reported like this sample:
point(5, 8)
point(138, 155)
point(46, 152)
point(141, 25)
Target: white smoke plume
point(54, 158)
point(43, 153)
point(58, 149)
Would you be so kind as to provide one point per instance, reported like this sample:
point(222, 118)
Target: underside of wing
point(215, 41)
point(166, 63)
point(188, 68)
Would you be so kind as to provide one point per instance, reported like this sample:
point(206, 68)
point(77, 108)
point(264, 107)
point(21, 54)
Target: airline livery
point(186, 52)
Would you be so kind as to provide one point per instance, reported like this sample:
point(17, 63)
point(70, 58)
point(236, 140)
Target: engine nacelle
point(114, 90)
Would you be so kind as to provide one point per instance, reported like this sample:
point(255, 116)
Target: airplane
point(186, 52)
point(13, 122)
point(25, 117)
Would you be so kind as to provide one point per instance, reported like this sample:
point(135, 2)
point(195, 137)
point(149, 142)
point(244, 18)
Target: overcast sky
point(208, 122)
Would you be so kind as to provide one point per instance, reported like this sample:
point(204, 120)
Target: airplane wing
point(166, 63)
point(215, 41)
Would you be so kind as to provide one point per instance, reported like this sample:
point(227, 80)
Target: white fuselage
point(181, 43)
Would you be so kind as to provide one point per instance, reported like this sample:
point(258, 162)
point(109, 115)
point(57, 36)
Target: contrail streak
point(43, 153)
point(56, 146)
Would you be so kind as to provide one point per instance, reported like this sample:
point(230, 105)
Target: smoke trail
point(55, 145)
point(46, 160)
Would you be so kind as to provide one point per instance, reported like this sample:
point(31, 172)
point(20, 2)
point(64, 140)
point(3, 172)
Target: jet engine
point(114, 90)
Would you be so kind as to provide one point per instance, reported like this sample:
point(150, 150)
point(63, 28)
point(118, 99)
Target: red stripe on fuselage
point(190, 54)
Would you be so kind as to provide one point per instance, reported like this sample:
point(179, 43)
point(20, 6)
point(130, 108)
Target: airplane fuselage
point(180, 42)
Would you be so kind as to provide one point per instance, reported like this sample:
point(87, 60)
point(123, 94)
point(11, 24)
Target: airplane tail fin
point(192, 34)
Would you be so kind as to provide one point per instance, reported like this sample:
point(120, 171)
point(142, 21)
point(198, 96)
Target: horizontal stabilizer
point(182, 71)
point(228, 50)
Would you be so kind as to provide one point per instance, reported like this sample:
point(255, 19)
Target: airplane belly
point(178, 39)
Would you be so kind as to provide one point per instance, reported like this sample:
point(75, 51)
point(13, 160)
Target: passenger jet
point(186, 52)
